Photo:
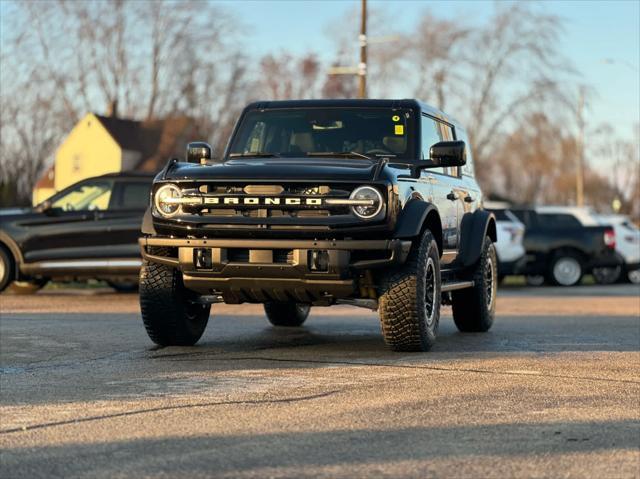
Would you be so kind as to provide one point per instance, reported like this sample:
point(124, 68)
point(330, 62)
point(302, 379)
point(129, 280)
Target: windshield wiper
point(352, 154)
point(254, 155)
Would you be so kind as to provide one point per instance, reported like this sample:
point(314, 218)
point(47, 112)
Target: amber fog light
point(167, 200)
point(372, 197)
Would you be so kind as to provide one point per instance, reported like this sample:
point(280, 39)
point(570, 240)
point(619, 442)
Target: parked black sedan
point(88, 230)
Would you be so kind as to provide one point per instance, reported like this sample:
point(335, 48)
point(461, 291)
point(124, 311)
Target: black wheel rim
point(430, 291)
point(489, 281)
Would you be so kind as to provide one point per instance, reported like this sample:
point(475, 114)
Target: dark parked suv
point(365, 202)
point(88, 230)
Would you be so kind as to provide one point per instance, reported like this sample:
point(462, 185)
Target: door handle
point(452, 196)
point(469, 199)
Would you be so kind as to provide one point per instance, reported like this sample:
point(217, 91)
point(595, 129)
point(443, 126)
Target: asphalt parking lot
point(552, 391)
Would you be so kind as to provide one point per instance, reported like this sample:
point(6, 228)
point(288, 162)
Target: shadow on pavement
point(312, 451)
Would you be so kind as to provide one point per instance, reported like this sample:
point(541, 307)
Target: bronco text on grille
point(371, 203)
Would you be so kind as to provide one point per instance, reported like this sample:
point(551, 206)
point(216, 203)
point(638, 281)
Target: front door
point(123, 219)
point(70, 228)
point(445, 195)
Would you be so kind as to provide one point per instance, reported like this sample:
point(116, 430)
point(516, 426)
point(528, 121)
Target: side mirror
point(198, 152)
point(44, 207)
point(448, 153)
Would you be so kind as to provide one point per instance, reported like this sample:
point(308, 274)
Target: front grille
point(266, 190)
point(244, 255)
point(265, 213)
point(266, 201)
point(210, 208)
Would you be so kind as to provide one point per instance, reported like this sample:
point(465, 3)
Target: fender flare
point(473, 229)
point(412, 218)
point(147, 223)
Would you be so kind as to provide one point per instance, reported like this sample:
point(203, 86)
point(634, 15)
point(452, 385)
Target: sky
point(601, 38)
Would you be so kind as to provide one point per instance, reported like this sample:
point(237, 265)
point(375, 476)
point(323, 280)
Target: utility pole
point(362, 67)
point(580, 156)
point(364, 40)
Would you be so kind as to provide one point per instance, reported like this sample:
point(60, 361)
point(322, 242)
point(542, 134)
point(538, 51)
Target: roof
point(356, 103)
point(155, 140)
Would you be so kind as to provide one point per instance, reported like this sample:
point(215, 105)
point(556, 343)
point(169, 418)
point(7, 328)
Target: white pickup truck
point(627, 246)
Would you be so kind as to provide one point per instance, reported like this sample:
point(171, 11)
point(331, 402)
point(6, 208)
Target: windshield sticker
point(395, 118)
point(399, 129)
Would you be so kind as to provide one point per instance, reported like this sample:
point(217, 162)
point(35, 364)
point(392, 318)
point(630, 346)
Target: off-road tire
point(573, 259)
point(7, 270)
point(409, 318)
point(286, 314)
point(168, 313)
point(474, 308)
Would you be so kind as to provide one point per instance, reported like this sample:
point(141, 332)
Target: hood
point(12, 217)
point(14, 211)
point(280, 169)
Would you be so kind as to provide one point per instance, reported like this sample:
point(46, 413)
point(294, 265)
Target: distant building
point(103, 144)
point(45, 187)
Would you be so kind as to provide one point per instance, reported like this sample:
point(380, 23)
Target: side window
point(86, 196)
point(431, 134)
point(527, 217)
point(467, 169)
point(434, 131)
point(558, 221)
point(133, 196)
point(447, 135)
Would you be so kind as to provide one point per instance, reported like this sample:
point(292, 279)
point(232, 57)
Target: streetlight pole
point(580, 156)
point(362, 67)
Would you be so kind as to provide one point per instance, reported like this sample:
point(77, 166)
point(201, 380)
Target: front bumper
point(259, 270)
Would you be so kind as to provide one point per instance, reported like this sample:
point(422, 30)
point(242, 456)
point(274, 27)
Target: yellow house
point(105, 144)
point(45, 187)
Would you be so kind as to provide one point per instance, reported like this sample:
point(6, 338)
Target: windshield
point(87, 196)
point(349, 132)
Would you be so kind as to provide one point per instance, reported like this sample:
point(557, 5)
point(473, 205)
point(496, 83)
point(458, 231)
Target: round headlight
point(165, 200)
point(372, 196)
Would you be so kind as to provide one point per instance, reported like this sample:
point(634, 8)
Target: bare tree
point(621, 161)
point(512, 64)
point(435, 55)
point(283, 76)
point(147, 59)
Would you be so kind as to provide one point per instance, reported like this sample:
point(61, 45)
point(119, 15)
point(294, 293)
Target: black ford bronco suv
point(370, 203)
